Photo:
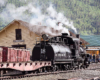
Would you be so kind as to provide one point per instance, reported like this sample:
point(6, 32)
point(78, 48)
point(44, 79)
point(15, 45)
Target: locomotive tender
point(64, 52)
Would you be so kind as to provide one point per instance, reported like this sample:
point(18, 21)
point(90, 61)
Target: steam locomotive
point(50, 54)
point(65, 52)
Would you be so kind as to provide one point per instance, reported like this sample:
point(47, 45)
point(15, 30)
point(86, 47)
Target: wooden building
point(18, 34)
point(93, 51)
point(94, 44)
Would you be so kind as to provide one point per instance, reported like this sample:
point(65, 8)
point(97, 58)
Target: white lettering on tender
point(61, 54)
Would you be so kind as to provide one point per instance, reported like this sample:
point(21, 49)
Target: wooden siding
point(93, 52)
point(8, 35)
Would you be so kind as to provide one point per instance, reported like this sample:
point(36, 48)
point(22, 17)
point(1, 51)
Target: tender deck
point(24, 66)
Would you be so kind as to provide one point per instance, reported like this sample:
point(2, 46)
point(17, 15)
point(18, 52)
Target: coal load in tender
point(14, 55)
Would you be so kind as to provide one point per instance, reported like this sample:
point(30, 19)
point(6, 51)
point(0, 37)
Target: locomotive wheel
point(84, 66)
point(55, 68)
point(44, 70)
point(70, 67)
point(49, 69)
point(40, 70)
point(60, 67)
point(74, 66)
point(87, 66)
point(81, 67)
point(36, 72)
point(1, 73)
point(66, 67)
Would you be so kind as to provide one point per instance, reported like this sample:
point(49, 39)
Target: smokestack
point(77, 36)
point(65, 34)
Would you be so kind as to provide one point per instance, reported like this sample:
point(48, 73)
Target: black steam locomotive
point(64, 52)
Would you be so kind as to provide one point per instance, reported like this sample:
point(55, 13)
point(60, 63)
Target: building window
point(18, 34)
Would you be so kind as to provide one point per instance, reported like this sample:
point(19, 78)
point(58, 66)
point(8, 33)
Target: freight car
point(17, 61)
point(64, 52)
point(9, 54)
point(10, 58)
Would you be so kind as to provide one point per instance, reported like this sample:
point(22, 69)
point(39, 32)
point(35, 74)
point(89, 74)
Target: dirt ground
point(83, 74)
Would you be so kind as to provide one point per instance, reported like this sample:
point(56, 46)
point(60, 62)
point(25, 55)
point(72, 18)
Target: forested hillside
point(85, 14)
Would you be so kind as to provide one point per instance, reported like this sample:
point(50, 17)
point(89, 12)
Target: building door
point(19, 46)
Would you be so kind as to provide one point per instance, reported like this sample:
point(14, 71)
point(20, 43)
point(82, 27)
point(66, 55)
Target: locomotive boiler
point(63, 51)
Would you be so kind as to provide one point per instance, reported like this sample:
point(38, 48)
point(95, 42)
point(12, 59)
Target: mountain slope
point(84, 13)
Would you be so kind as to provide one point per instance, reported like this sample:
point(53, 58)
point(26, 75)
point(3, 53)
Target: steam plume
point(36, 18)
point(2, 2)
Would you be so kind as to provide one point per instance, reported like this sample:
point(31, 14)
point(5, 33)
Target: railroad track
point(47, 73)
point(35, 74)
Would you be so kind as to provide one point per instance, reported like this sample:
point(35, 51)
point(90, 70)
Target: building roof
point(37, 29)
point(40, 30)
point(94, 40)
point(92, 49)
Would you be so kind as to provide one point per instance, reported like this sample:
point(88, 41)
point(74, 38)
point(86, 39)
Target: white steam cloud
point(2, 2)
point(52, 20)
